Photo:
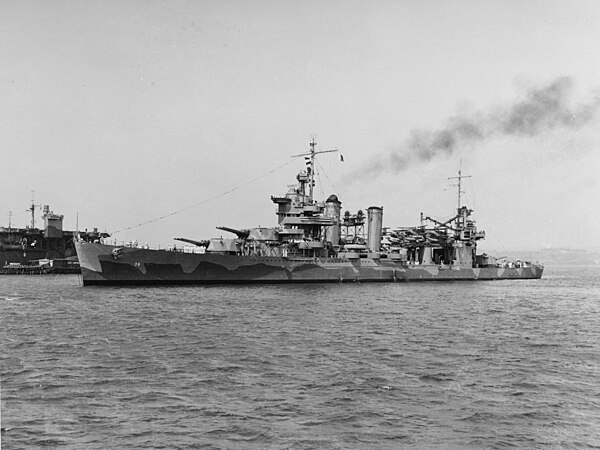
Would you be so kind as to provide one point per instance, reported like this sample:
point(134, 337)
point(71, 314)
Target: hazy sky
point(125, 111)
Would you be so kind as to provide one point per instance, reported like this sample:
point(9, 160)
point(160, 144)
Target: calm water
point(354, 366)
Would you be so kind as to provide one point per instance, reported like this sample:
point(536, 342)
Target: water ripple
point(446, 365)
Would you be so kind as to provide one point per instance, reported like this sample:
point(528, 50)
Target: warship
point(33, 250)
point(313, 242)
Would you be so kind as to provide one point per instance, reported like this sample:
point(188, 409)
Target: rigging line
point(318, 174)
point(325, 175)
point(222, 194)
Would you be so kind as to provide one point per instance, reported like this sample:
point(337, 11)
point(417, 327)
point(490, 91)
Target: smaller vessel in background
point(41, 250)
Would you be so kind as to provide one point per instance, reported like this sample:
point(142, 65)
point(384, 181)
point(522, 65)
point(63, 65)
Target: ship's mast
point(459, 178)
point(311, 183)
point(32, 210)
point(310, 161)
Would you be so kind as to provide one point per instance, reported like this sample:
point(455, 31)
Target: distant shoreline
point(554, 256)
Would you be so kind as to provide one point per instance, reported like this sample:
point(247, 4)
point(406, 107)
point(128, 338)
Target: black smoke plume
point(539, 110)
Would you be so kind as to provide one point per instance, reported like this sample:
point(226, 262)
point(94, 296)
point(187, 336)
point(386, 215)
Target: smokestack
point(333, 209)
point(375, 222)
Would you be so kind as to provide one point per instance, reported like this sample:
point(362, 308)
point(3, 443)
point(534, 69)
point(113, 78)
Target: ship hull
point(110, 265)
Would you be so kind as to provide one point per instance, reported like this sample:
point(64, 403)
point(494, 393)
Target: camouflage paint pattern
point(107, 264)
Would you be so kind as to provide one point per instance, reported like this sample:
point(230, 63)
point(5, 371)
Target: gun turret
point(242, 234)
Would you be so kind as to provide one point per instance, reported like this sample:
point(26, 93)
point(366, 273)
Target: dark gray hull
point(108, 265)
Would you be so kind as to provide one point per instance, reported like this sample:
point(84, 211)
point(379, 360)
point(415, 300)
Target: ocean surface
point(500, 364)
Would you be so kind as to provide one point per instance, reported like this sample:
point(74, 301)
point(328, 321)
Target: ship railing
point(186, 249)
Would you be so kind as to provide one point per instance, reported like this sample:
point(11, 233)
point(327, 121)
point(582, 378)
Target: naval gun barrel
point(242, 234)
point(191, 241)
